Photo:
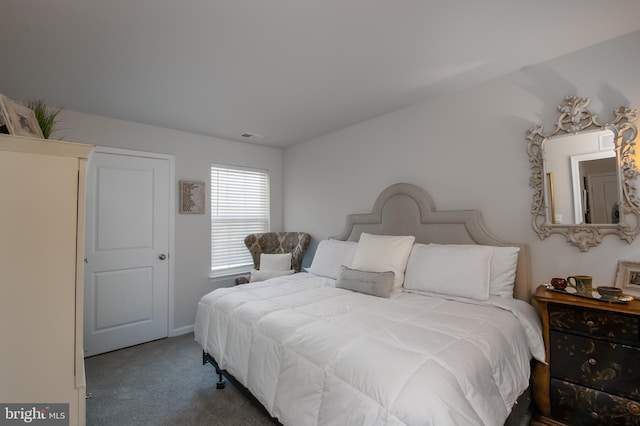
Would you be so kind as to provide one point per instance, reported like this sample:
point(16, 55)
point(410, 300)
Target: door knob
point(162, 256)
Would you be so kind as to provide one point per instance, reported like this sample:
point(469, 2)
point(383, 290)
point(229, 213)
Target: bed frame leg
point(221, 382)
point(207, 358)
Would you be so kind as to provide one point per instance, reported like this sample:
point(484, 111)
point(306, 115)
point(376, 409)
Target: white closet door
point(127, 243)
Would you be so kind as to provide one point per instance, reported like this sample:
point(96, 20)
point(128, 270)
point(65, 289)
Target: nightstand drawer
point(577, 405)
point(595, 322)
point(606, 366)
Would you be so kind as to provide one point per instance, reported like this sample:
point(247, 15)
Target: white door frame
point(172, 192)
point(579, 201)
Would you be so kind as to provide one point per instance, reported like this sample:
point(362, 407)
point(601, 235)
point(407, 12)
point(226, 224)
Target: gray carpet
point(163, 383)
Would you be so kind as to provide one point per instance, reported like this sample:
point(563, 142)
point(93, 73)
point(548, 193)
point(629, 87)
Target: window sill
point(226, 276)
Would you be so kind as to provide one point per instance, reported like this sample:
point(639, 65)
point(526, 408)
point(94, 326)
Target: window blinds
point(239, 206)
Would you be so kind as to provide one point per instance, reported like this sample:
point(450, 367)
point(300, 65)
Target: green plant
point(47, 117)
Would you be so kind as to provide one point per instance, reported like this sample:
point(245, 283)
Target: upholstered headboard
point(405, 209)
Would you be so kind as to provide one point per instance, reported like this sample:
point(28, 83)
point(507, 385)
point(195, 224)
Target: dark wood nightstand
point(593, 355)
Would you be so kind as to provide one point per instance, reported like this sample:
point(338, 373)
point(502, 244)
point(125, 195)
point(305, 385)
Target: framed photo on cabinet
point(628, 278)
point(19, 119)
point(192, 197)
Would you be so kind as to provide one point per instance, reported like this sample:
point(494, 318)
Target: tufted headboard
point(406, 209)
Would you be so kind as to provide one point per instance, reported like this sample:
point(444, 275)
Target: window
point(239, 206)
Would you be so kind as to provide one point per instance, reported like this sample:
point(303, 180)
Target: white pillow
point(453, 270)
point(265, 275)
point(330, 255)
point(381, 253)
point(275, 262)
point(504, 262)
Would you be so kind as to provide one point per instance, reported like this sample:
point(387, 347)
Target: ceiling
point(286, 70)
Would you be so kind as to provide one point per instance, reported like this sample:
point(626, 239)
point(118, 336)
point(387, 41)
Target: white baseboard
point(182, 330)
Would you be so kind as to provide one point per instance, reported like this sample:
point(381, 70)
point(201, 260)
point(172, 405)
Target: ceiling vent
point(251, 136)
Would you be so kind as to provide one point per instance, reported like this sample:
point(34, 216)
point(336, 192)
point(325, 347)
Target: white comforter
point(314, 354)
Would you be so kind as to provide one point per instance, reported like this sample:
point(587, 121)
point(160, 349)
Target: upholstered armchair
point(295, 243)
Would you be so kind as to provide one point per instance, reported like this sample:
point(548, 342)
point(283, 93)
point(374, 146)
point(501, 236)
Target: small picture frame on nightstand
point(628, 277)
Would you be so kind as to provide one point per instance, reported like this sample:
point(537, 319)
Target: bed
point(409, 316)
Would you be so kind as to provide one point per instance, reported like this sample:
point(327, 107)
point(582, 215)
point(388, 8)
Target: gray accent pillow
point(374, 283)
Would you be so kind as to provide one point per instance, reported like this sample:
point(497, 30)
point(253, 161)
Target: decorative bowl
point(609, 292)
point(559, 283)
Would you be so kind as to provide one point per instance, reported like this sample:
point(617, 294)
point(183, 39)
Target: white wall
point(194, 155)
point(468, 150)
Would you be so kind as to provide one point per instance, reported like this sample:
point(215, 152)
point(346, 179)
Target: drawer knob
point(594, 415)
point(592, 361)
point(590, 323)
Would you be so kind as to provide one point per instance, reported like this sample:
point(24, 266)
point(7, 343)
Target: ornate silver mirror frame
point(576, 118)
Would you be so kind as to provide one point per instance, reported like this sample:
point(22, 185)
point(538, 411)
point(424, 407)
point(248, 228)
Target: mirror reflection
point(583, 175)
point(581, 178)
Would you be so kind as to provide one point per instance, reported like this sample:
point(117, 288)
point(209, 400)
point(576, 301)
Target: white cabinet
point(42, 190)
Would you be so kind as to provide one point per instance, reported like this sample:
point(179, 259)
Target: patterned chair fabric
point(295, 243)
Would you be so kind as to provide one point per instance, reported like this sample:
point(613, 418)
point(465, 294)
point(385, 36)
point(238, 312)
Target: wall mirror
point(584, 174)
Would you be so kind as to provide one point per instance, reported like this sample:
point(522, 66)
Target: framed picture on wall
point(192, 197)
point(20, 120)
point(628, 278)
